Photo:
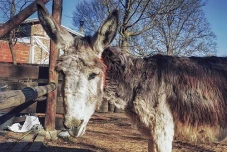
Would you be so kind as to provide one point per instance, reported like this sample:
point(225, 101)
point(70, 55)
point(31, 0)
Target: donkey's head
point(82, 68)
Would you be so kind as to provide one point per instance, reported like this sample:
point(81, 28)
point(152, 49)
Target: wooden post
point(151, 146)
point(32, 47)
point(53, 75)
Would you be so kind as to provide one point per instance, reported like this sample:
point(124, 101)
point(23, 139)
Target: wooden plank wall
point(19, 71)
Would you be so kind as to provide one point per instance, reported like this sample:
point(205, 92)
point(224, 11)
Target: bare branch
point(139, 18)
point(17, 19)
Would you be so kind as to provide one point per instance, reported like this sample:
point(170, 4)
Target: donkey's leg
point(162, 131)
point(161, 141)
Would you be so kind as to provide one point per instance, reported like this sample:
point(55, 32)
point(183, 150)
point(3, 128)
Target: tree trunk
point(124, 45)
point(169, 50)
point(12, 34)
point(124, 29)
point(11, 47)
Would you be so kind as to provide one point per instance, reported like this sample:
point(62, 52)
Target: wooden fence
point(17, 77)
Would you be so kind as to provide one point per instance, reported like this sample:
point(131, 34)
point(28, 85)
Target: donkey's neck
point(122, 79)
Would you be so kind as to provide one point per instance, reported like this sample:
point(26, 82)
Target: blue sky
point(67, 12)
point(215, 12)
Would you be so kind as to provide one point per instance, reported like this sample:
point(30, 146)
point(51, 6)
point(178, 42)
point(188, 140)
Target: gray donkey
point(164, 96)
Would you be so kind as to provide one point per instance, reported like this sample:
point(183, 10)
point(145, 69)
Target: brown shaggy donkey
point(165, 96)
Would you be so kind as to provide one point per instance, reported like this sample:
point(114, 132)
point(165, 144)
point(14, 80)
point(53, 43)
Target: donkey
point(165, 96)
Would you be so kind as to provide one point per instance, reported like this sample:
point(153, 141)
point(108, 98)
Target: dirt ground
point(113, 132)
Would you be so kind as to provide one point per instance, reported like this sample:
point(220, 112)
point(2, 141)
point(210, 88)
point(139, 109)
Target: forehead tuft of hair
point(80, 41)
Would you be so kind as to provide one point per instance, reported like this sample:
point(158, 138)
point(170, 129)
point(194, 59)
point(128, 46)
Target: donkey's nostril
point(82, 121)
point(66, 125)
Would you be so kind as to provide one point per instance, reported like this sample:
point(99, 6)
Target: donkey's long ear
point(106, 33)
point(59, 35)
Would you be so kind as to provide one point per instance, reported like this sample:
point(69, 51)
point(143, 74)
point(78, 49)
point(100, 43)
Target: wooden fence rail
point(15, 98)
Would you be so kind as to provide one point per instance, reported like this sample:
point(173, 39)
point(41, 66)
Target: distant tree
point(173, 27)
point(18, 18)
point(183, 31)
point(92, 15)
point(134, 16)
point(8, 10)
point(12, 14)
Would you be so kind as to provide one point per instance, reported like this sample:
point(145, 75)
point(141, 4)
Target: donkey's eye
point(92, 76)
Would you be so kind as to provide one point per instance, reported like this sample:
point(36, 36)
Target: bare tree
point(147, 26)
point(134, 14)
point(10, 29)
point(91, 15)
point(184, 31)
point(21, 14)
point(8, 11)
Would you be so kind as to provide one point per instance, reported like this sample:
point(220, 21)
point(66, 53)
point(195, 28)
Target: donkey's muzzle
point(75, 128)
point(72, 123)
point(77, 131)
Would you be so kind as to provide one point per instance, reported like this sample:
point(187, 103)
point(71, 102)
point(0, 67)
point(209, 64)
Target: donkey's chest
point(138, 121)
point(149, 115)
